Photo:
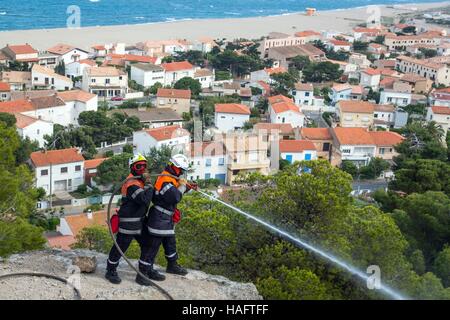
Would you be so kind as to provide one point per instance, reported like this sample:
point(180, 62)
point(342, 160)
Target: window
point(78, 168)
point(93, 80)
point(306, 94)
point(326, 146)
point(64, 170)
point(208, 162)
point(107, 81)
point(207, 175)
point(44, 172)
point(221, 161)
point(346, 151)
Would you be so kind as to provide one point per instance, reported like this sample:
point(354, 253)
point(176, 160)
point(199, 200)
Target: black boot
point(140, 279)
point(155, 275)
point(175, 268)
point(112, 276)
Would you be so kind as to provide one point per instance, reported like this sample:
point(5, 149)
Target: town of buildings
point(360, 128)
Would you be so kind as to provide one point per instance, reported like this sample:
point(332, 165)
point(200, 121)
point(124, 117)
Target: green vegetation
point(18, 198)
point(189, 83)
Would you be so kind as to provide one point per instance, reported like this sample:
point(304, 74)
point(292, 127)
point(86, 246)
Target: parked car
point(116, 99)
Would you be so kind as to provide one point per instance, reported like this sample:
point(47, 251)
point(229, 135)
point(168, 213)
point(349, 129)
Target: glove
point(182, 181)
point(176, 217)
point(192, 186)
point(147, 178)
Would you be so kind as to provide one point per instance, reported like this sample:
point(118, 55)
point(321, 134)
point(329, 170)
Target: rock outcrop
point(196, 285)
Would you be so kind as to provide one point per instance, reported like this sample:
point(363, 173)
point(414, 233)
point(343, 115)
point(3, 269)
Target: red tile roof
point(282, 128)
point(315, 133)
point(232, 108)
point(177, 66)
point(4, 86)
point(40, 158)
point(166, 133)
point(76, 95)
point(356, 106)
point(386, 138)
point(94, 163)
point(22, 49)
point(80, 221)
point(23, 121)
point(279, 98)
point(205, 149)
point(304, 86)
point(61, 242)
point(340, 42)
point(441, 110)
point(307, 33)
point(132, 58)
point(16, 106)
point(353, 136)
point(271, 71)
point(61, 49)
point(174, 93)
point(285, 106)
point(296, 145)
point(371, 71)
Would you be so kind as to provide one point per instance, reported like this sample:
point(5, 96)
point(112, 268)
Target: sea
point(48, 14)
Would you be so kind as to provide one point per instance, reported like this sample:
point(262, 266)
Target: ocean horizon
point(49, 14)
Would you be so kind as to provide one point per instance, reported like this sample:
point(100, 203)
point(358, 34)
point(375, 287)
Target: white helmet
point(136, 158)
point(180, 161)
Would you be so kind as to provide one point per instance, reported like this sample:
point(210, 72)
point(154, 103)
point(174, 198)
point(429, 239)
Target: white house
point(283, 110)
point(208, 160)
point(384, 115)
point(303, 94)
point(45, 78)
point(58, 170)
point(441, 115)
point(440, 97)
point(206, 77)
point(68, 53)
point(265, 74)
point(297, 150)
point(397, 98)
point(78, 101)
point(147, 74)
point(76, 69)
point(172, 136)
point(338, 45)
point(354, 144)
point(370, 78)
point(345, 91)
point(230, 116)
point(33, 128)
point(174, 71)
point(106, 82)
point(5, 91)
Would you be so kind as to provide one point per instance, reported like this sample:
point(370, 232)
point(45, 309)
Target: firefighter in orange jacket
point(164, 214)
point(136, 198)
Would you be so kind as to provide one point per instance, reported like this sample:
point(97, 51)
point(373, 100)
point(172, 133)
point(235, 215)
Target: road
point(369, 185)
point(317, 117)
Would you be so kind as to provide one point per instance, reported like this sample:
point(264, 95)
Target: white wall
point(293, 118)
point(357, 152)
point(173, 76)
point(76, 177)
point(201, 168)
point(54, 82)
point(36, 131)
point(304, 98)
point(144, 142)
point(396, 98)
point(68, 57)
point(147, 78)
point(229, 121)
point(299, 156)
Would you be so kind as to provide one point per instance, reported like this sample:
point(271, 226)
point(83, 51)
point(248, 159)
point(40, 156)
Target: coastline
point(251, 27)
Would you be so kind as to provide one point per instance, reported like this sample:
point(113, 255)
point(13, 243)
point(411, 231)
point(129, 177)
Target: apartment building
point(427, 68)
point(106, 82)
point(355, 113)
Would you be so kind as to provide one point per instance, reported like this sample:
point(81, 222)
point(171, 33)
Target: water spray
point(299, 242)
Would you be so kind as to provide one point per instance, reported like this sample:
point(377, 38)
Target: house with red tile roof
point(370, 78)
point(440, 97)
point(90, 170)
point(106, 82)
point(72, 225)
point(46, 78)
point(33, 128)
point(353, 113)
point(172, 136)
point(76, 68)
point(17, 80)
point(68, 53)
point(265, 74)
point(5, 91)
point(208, 161)
point(385, 142)
point(58, 170)
point(345, 91)
point(338, 45)
point(230, 116)
point(322, 139)
point(21, 53)
point(283, 110)
point(353, 144)
point(440, 115)
point(179, 100)
point(174, 71)
point(297, 150)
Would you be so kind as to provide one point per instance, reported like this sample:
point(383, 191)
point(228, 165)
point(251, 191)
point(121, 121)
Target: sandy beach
point(339, 20)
